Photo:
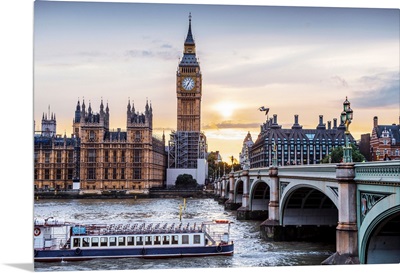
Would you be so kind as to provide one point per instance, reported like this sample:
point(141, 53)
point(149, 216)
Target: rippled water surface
point(250, 249)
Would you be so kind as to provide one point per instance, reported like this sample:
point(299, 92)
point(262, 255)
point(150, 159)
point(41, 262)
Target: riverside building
point(295, 145)
point(95, 158)
point(385, 141)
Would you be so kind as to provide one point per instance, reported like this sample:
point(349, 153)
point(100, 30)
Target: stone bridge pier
point(346, 230)
point(231, 203)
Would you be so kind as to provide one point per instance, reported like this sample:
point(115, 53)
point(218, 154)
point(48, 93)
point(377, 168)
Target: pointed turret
point(78, 106)
point(128, 107)
point(83, 108)
point(101, 106)
point(147, 107)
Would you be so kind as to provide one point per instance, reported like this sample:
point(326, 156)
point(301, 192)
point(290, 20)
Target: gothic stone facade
point(100, 159)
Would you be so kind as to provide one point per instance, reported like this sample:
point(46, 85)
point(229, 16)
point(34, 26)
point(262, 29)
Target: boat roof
point(128, 228)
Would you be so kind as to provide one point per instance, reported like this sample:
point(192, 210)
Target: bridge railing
point(327, 171)
point(375, 171)
point(382, 171)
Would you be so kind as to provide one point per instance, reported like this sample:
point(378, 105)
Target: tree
point(336, 155)
point(185, 181)
point(212, 166)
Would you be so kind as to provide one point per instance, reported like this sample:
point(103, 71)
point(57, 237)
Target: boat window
point(76, 242)
point(148, 240)
point(113, 241)
point(121, 241)
point(174, 239)
point(139, 240)
point(130, 240)
point(157, 240)
point(95, 241)
point(185, 239)
point(196, 239)
point(165, 240)
point(103, 241)
point(85, 242)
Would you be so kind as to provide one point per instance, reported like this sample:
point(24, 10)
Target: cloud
point(339, 81)
point(380, 90)
point(166, 46)
point(138, 53)
point(91, 54)
point(164, 55)
point(228, 124)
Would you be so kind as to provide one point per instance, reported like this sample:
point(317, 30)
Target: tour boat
point(58, 240)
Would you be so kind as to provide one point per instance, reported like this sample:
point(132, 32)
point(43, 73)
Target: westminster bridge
point(356, 204)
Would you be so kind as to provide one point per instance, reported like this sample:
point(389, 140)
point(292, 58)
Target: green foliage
point(216, 169)
point(337, 155)
point(185, 181)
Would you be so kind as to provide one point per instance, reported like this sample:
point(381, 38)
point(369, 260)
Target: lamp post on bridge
point(232, 162)
point(346, 118)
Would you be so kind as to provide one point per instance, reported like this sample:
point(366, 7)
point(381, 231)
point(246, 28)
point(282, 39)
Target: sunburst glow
point(226, 108)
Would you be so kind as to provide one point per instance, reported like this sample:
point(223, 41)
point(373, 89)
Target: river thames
point(250, 249)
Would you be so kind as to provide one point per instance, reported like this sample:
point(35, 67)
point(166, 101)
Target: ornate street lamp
point(346, 118)
point(232, 162)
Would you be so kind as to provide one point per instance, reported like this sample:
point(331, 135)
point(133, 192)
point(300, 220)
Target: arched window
point(91, 135)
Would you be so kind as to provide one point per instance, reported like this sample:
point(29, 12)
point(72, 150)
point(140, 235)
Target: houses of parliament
point(96, 158)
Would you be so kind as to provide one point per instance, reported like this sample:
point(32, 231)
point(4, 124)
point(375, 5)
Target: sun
point(225, 108)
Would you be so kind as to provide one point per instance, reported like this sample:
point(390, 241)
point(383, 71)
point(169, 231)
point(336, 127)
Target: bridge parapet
point(378, 172)
point(320, 171)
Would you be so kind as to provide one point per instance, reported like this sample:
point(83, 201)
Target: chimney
point(321, 124)
point(329, 125)
point(296, 124)
point(334, 123)
point(275, 119)
point(375, 121)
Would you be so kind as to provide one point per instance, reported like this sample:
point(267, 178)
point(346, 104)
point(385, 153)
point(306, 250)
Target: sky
point(313, 61)
point(293, 60)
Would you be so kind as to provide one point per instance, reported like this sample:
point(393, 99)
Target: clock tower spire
point(190, 46)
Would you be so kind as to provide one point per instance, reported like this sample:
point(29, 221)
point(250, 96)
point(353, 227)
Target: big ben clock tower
point(188, 87)
point(187, 147)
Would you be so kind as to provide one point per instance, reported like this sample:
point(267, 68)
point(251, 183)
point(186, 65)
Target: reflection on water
point(250, 249)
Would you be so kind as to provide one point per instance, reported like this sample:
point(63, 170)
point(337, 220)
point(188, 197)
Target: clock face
point(188, 83)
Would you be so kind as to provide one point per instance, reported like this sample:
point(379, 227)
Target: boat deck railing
point(141, 228)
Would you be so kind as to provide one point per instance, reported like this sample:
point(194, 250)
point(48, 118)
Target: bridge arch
point(238, 191)
point(227, 188)
point(259, 196)
point(307, 205)
point(219, 188)
point(379, 233)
